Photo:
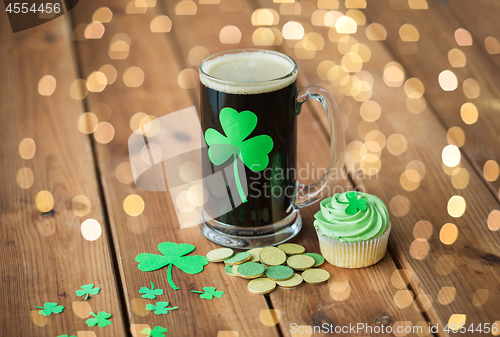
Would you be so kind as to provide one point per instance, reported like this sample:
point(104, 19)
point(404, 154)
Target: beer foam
point(248, 73)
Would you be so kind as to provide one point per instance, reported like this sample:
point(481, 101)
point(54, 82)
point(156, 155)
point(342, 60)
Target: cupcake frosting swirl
point(333, 221)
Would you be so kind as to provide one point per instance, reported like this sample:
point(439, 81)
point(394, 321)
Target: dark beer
point(268, 89)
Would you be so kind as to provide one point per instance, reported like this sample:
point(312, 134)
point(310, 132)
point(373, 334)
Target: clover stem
point(196, 291)
point(237, 179)
point(169, 278)
point(86, 297)
point(39, 307)
point(172, 308)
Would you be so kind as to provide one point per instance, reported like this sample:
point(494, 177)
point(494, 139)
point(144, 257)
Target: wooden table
point(423, 76)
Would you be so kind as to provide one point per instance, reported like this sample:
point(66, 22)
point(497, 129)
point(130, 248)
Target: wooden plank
point(476, 84)
point(481, 20)
point(367, 295)
point(155, 54)
point(475, 252)
point(45, 258)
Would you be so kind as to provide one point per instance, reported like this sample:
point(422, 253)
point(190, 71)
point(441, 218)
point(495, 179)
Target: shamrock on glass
point(253, 152)
point(173, 254)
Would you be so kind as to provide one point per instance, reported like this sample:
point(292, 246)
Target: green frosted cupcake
point(353, 229)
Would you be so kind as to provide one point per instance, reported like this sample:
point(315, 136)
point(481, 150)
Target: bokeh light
point(457, 321)
point(104, 133)
point(47, 85)
point(494, 220)
point(463, 37)
point(417, 105)
point(394, 74)
point(471, 88)
point(448, 233)
point(448, 80)
point(269, 317)
point(27, 148)
point(460, 178)
point(480, 297)
point(124, 173)
point(160, 24)
point(44, 201)
point(110, 72)
point(446, 295)
point(94, 30)
point(197, 54)
point(451, 156)
point(422, 230)
point(133, 205)
point(492, 45)
point(80, 205)
point(188, 78)
point(91, 229)
point(186, 7)
point(457, 58)
point(103, 15)
point(133, 77)
point(445, 264)
point(456, 206)
point(230, 35)
point(81, 309)
point(397, 144)
point(455, 136)
point(97, 81)
point(403, 298)
point(376, 32)
point(409, 33)
point(399, 205)
point(293, 30)
point(419, 249)
point(469, 113)
point(414, 88)
point(265, 17)
point(491, 170)
point(87, 123)
point(346, 25)
point(78, 89)
point(25, 178)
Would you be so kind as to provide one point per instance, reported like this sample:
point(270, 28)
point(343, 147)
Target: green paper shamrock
point(66, 336)
point(160, 308)
point(157, 331)
point(173, 254)
point(87, 289)
point(101, 319)
point(208, 293)
point(50, 308)
point(354, 203)
point(253, 152)
point(150, 293)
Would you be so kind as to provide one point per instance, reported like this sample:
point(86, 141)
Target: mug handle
point(308, 194)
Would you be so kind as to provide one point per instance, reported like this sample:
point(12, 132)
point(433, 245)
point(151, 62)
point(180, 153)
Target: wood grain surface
point(45, 258)
point(476, 87)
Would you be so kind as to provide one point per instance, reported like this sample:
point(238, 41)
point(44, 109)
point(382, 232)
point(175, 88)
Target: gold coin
point(293, 282)
point(249, 270)
point(315, 276)
point(272, 256)
point(261, 286)
point(300, 262)
point(219, 254)
point(292, 248)
point(238, 258)
point(255, 254)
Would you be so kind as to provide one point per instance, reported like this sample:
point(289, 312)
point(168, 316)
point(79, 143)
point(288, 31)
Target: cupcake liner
point(353, 254)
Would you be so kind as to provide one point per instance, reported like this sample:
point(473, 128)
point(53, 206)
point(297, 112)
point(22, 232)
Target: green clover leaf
point(253, 152)
point(173, 254)
point(101, 319)
point(355, 204)
point(150, 293)
point(87, 289)
point(50, 308)
point(209, 293)
point(160, 308)
point(66, 336)
point(157, 331)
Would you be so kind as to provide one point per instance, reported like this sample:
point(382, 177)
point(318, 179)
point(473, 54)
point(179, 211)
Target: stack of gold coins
point(269, 267)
